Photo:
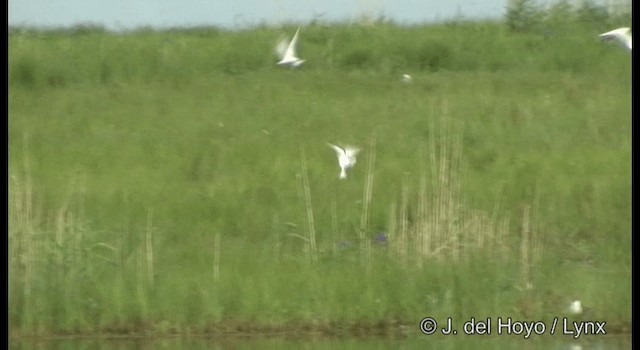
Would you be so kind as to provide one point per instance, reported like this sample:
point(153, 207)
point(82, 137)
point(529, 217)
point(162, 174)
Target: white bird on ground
point(287, 52)
point(622, 35)
point(346, 158)
point(406, 78)
point(575, 307)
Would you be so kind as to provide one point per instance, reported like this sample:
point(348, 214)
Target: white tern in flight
point(288, 52)
point(346, 158)
point(575, 307)
point(622, 35)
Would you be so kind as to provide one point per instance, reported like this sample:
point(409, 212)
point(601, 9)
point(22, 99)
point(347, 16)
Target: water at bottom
point(475, 342)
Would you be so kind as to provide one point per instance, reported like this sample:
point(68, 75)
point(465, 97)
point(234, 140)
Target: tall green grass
point(178, 181)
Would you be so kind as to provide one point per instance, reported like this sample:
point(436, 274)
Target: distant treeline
point(520, 16)
point(564, 37)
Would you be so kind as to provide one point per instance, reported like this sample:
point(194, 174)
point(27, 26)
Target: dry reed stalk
point(503, 231)
point(536, 239)
point(440, 206)
point(216, 257)
point(365, 244)
point(525, 263)
point(149, 246)
point(472, 229)
point(493, 225)
point(68, 229)
point(445, 210)
point(404, 221)
point(481, 228)
point(119, 289)
point(464, 219)
point(28, 238)
point(276, 235)
point(139, 256)
point(141, 286)
point(484, 232)
point(454, 195)
point(462, 240)
point(59, 232)
point(60, 251)
point(423, 235)
point(15, 217)
point(29, 245)
point(307, 200)
point(392, 231)
point(443, 183)
point(433, 211)
point(443, 190)
point(444, 228)
point(334, 221)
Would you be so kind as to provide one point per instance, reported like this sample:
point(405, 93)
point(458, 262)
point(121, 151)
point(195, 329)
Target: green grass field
point(180, 182)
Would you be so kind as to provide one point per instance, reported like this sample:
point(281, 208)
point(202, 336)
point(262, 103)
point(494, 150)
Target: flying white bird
point(622, 35)
point(346, 158)
point(287, 52)
point(575, 307)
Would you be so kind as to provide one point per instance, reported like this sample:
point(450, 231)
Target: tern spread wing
point(623, 35)
point(351, 151)
point(281, 48)
point(338, 150)
point(291, 50)
point(288, 56)
point(575, 307)
point(346, 158)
